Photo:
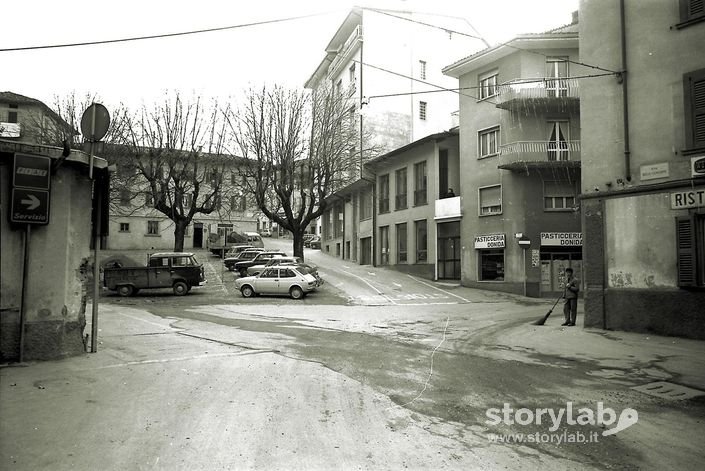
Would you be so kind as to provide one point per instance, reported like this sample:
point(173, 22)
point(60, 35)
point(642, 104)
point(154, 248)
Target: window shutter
point(685, 243)
point(695, 108)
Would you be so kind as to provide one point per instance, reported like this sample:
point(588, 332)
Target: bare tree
point(173, 158)
point(298, 148)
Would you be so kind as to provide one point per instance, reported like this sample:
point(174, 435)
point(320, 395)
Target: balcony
point(539, 95)
point(448, 208)
point(10, 130)
point(345, 51)
point(521, 155)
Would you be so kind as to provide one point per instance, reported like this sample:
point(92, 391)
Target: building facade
point(520, 157)
point(643, 179)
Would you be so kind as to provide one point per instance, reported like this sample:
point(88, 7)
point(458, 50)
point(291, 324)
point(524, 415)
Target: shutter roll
point(685, 243)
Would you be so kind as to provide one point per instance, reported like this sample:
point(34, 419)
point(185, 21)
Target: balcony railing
point(540, 151)
point(448, 208)
point(538, 90)
point(346, 48)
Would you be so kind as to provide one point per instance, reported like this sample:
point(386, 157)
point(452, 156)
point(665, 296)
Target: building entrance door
point(448, 251)
point(366, 251)
point(198, 235)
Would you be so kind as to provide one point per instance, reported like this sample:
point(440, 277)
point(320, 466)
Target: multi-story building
point(388, 63)
point(643, 178)
point(27, 119)
point(520, 162)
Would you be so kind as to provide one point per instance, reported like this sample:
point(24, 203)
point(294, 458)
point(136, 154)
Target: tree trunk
point(298, 242)
point(179, 233)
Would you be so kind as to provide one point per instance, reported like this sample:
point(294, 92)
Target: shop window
point(558, 196)
point(694, 92)
point(488, 142)
point(400, 199)
point(401, 243)
point(421, 241)
point(490, 200)
point(491, 265)
point(690, 243)
point(384, 194)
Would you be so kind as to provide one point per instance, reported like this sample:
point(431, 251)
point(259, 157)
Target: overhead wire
point(165, 35)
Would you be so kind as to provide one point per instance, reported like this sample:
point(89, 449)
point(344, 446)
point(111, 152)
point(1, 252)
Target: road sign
point(32, 171)
point(30, 206)
point(95, 122)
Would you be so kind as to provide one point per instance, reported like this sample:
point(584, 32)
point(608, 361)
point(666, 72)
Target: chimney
point(575, 17)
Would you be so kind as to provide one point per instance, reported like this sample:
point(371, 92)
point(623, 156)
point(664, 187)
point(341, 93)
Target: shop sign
point(562, 239)
point(697, 166)
point(490, 241)
point(694, 198)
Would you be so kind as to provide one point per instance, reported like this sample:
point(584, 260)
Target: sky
point(217, 64)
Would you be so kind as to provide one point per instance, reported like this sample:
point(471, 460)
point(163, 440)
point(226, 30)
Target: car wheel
point(180, 288)
point(247, 291)
point(126, 290)
point(296, 293)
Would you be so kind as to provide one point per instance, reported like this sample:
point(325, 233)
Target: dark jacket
point(572, 287)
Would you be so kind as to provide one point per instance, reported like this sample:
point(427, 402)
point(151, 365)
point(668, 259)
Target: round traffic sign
point(95, 122)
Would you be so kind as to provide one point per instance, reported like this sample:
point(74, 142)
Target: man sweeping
point(570, 296)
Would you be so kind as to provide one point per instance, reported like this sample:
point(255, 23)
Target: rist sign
point(30, 189)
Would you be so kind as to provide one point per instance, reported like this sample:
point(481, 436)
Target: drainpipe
point(622, 78)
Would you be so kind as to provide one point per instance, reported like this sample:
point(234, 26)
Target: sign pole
point(523, 248)
point(23, 296)
point(96, 265)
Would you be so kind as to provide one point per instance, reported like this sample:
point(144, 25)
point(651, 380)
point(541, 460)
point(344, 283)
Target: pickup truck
point(176, 270)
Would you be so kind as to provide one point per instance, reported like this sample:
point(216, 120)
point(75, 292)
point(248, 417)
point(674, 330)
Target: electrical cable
point(165, 35)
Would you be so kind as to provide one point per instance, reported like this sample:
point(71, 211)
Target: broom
point(542, 321)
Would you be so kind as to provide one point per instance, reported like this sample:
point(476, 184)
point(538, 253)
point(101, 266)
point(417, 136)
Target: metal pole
point(23, 296)
point(92, 138)
point(524, 254)
point(96, 265)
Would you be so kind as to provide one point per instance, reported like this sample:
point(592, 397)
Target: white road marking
point(167, 327)
point(439, 289)
point(370, 285)
point(194, 357)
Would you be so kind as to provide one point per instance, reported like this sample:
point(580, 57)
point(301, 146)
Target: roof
point(424, 140)
point(548, 40)
point(12, 97)
point(172, 254)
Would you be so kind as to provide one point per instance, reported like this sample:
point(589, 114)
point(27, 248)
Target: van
point(254, 239)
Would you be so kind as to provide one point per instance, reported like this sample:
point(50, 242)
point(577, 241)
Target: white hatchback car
point(278, 280)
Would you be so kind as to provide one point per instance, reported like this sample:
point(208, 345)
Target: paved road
point(378, 370)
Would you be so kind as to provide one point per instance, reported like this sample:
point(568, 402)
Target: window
point(148, 200)
point(352, 78)
point(422, 110)
point(365, 205)
point(421, 241)
point(401, 243)
point(490, 200)
point(124, 227)
point(12, 115)
point(487, 85)
point(384, 245)
point(125, 197)
point(182, 261)
point(286, 273)
point(692, 11)
point(422, 70)
point(557, 143)
point(400, 200)
point(153, 227)
point(491, 265)
point(556, 74)
point(339, 86)
point(558, 195)
point(695, 109)
point(384, 193)
point(186, 200)
point(488, 142)
point(690, 243)
point(420, 184)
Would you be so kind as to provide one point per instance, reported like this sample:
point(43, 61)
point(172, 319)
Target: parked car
point(277, 280)
point(279, 260)
point(179, 271)
point(307, 239)
point(259, 259)
point(247, 254)
point(266, 233)
point(315, 243)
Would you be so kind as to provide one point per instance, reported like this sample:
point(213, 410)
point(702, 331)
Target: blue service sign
point(32, 171)
point(30, 206)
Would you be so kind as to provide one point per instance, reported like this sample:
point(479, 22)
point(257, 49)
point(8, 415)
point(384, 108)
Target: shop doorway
point(553, 264)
